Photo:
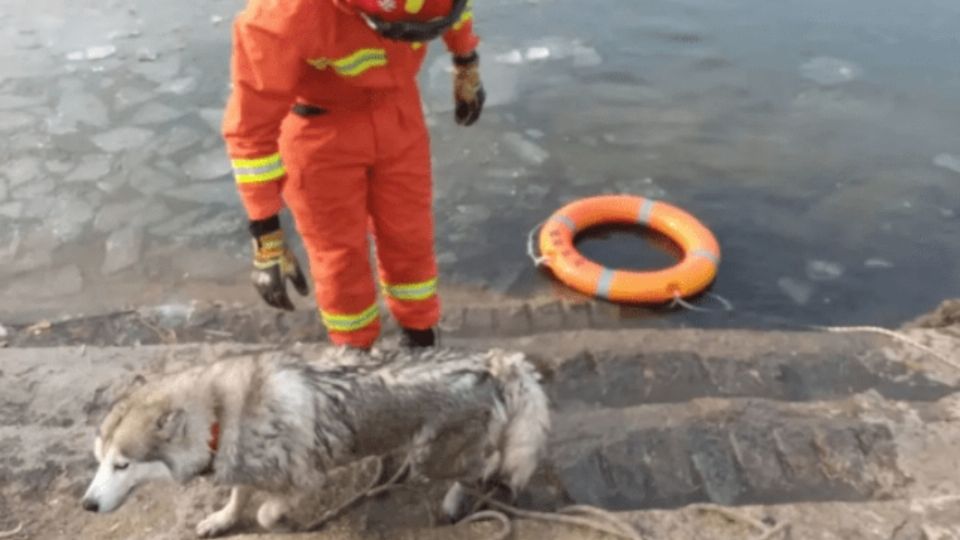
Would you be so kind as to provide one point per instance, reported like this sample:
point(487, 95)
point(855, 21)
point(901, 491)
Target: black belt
point(306, 111)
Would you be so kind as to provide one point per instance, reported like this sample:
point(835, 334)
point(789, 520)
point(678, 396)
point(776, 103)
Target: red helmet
point(410, 20)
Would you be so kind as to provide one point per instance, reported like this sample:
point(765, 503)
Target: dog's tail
point(527, 419)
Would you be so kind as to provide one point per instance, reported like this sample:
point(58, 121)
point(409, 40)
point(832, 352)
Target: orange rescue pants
point(354, 172)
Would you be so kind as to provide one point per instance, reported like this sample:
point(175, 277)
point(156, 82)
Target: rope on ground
point(766, 533)
point(599, 520)
point(373, 489)
point(893, 334)
point(897, 336)
point(504, 532)
point(12, 532)
point(538, 260)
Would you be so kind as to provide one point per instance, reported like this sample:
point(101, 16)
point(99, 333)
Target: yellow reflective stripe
point(412, 291)
point(353, 64)
point(413, 6)
point(465, 16)
point(258, 170)
point(350, 322)
point(263, 265)
point(417, 45)
point(360, 61)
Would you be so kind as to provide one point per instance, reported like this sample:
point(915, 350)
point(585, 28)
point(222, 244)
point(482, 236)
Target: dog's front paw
point(216, 524)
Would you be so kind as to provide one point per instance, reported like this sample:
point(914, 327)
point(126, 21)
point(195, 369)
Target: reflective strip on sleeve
point(466, 16)
point(350, 322)
point(412, 291)
point(353, 64)
point(258, 170)
point(413, 6)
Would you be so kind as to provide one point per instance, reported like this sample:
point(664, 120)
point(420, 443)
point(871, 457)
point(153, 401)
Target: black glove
point(468, 93)
point(274, 264)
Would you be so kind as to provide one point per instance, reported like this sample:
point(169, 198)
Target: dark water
point(817, 139)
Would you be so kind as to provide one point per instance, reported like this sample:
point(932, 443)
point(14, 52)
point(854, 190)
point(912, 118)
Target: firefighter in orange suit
point(325, 117)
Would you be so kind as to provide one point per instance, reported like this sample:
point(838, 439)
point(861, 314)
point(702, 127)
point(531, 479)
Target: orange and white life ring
point(691, 275)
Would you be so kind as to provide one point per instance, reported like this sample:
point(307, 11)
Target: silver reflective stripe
point(604, 283)
point(706, 255)
point(568, 223)
point(646, 211)
point(257, 171)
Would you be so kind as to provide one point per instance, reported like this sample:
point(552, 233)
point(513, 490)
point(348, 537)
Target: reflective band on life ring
point(691, 275)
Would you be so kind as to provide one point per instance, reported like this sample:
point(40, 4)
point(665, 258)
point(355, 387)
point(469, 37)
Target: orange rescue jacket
point(319, 52)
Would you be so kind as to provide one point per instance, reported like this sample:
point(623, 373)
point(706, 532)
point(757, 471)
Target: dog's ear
point(171, 423)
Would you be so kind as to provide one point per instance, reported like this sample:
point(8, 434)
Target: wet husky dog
point(280, 426)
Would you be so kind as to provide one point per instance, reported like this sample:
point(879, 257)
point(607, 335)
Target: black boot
point(418, 339)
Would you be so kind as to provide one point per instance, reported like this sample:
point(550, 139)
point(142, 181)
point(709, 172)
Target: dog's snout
point(91, 505)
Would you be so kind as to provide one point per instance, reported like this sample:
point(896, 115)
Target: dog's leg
point(272, 515)
point(454, 504)
point(224, 519)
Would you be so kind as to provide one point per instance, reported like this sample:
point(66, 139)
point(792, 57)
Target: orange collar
point(214, 442)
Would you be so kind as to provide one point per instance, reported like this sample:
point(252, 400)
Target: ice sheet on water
point(213, 118)
point(181, 86)
point(69, 217)
point(139, 213)
point(468, 215)
point(12, 210)
point(155, 113)
point(178, 138)
point(22, 170)
point(91, 167)
point(525, 149)
point(33, 189)
point(123, 248)
point(58, 167)
point(507, 276)
point(12, 102)
point(877, 263)
point(95, 52)
point(222, 224)
point(177, 225)
point(798, 291)
point(223, 192)
point(161, 71)
point(147, 55)
point(447, 258)
point(514, 57)
point(124, 34)
point(948, 161)
point(123, 138)
point(150, 181)
point(829, 71)
point(818, 270)
point(208, 165)
point(129, 96)
point(552, 48)
point(13, 120)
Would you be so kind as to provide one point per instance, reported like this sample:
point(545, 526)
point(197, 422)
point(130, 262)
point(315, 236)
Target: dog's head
point(144, 437)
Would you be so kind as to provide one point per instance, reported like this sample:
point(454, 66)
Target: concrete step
point(645, 419)
point(731, 452)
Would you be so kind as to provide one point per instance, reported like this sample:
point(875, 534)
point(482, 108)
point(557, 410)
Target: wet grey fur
point(469, 417)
